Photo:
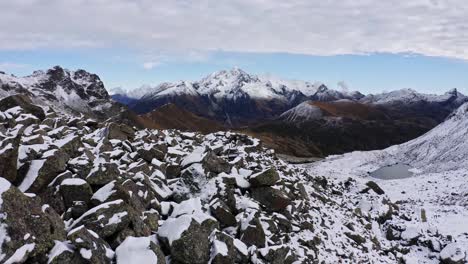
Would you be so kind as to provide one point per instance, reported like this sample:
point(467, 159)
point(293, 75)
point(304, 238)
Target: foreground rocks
point(76, 191)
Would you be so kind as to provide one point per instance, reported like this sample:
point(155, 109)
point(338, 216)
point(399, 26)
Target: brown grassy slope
point(171, 116)
point(351, 110)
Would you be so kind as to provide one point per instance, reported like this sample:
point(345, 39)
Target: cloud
point(429, 27)
point(150, 65)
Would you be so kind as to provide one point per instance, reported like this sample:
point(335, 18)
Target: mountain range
point(297, 117)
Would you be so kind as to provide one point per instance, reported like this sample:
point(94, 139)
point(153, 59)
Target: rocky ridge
point(79, 191)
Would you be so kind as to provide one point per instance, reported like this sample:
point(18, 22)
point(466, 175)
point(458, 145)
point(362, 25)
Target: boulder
point(187, 237)
point(375, 187)
point(223, 250)
point(453, 253)
point(272, 199)
point(30, 227)
point(265, 178)
point(9, 158)
point(214, 164)
point(91, 248)
point(194, 177)
point(222, 213)
point(139, 250)
point(105, 219)
point(63, 252)
point(24, 102)
point(119, 131)
point(252, 233)
point(103, 174)
point(41, 172)
point(173, 171)
point(75, 189)
point(151, 153)
point(277, 255)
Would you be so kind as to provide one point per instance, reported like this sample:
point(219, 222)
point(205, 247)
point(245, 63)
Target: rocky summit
point(74, 190)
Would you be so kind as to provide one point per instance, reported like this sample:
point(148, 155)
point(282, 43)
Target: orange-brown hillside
point(171, 116)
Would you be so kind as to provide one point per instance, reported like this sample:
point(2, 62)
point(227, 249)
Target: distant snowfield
point(440, 182)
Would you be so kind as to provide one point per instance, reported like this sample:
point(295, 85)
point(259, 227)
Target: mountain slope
point(439, 162)
point(171, 116)
point(76, 92)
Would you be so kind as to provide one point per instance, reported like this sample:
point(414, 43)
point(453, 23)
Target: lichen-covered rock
point(265, 178)
point(41, 172)
point(75, 189)
point(187, 237)
point(8, 159)
point(103, 174)
point(252, 232)
point(222, 213)
point(119, 131)
point(223, 250)
point(28, 227)
point(272, 199)
point(105, 219)
point(90, 247)
point(24, 103)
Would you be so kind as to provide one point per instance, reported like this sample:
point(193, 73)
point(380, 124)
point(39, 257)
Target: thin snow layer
point(303, 112)
point(104, 192)
point(439, 186)
point(135, 250)
point(21, 254)
point(58, 249)
point(73, 181)
point(181, 219)
point(32, 174)
point(411, 96)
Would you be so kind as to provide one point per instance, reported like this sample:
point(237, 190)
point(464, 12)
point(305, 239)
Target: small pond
point(396, 171)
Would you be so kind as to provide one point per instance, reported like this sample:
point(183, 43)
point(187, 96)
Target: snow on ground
point(438, 188)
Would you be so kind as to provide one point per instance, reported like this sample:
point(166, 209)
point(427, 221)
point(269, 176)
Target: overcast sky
point(149, 40)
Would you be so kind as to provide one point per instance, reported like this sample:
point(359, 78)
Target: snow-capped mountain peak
point(59, 88)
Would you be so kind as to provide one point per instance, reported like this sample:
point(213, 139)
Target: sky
point(371, 46)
